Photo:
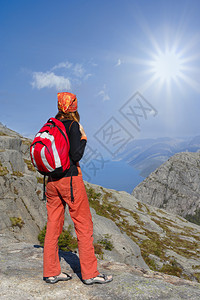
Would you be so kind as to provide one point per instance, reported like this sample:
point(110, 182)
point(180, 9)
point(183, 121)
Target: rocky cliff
point(22, 213)
point(132, 236)
point(174, 186)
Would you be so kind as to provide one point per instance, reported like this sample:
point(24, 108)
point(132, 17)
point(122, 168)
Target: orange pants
point(58, 194)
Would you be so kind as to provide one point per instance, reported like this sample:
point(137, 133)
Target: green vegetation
point(98, 249)
point(153, 244)
point(140, 206)
point(17, 222)
point(2, 134)
point(30, 165)
point(194, 218)
point(3, 170)
point(150, 262)
point(15, 191)
point(66, 241)
point(103, 243)
point(106, 242)
point(26, 142)
point(172, 268)
point(18, 173)
point(40, 179)
point(38, 192)
point(197, 276)
point(196, 267)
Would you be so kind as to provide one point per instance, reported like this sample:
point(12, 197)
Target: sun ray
point(191, 82)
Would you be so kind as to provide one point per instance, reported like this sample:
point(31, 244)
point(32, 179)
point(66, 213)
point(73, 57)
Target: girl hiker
point(59, 192)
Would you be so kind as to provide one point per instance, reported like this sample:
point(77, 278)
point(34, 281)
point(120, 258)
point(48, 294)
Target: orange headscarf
point(67, 102)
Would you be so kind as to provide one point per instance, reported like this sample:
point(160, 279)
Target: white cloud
point(119, 62)
point(50, 80)
point(78, 70)
point(59, 79)
point(87, 76)
point(103, 94)
point(64, 65)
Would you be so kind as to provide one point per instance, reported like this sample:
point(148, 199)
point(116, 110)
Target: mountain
point(174, 186)
point(148, 154)
point(131, 237)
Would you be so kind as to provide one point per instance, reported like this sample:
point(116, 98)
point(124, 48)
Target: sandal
point(98, 279)
point(54, 279)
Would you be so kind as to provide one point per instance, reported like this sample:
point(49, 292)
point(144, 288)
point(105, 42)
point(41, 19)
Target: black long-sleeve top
point(77, 146)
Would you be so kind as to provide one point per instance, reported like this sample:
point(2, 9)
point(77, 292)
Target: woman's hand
point(82, 130)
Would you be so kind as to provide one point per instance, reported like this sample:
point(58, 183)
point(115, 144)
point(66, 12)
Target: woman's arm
point(78, 140)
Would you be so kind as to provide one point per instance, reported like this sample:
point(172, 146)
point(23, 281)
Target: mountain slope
point(24, 281)
point(174, 186)
point(137, 234)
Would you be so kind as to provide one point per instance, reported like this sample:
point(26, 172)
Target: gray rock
point(125, 250)
point(174, 186)
point(21, 278)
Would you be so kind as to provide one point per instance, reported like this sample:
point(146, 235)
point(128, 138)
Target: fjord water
point(116, 175)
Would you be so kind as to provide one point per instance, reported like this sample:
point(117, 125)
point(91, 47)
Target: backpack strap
point(71, 188)
point(70, 125)
point(44, 189)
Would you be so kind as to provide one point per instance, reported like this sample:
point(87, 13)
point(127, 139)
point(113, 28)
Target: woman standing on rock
point(58, 193)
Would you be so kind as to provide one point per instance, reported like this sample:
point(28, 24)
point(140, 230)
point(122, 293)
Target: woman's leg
point(55, 221)
point(81, 216)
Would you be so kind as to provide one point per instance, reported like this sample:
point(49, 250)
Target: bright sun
point(170, 66)
point(166, 66)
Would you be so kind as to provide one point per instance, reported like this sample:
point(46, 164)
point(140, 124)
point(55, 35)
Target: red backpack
point(50, 149)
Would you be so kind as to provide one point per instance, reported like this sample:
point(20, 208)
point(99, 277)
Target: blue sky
point(104, 52)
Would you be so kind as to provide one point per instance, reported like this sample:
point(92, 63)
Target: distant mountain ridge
point(148, 154)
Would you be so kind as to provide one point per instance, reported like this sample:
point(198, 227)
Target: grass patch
point(147, 209)
point(98, 249)
point(136, 217)
point(16, 191)
point(197, 276)
point(66, 241)
point(38, 192)
point(3, 170)
point(150, 246)
point(26, 142)
point(194, 218)
point(149, 261)
point(161, 211)
point(140, 206)
point(29, 165)
point(196, 267)
point(3, 134)
point(172, 268)
point(40, 180)
point(17, 173)
point(17, 222)
point(106, 242)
